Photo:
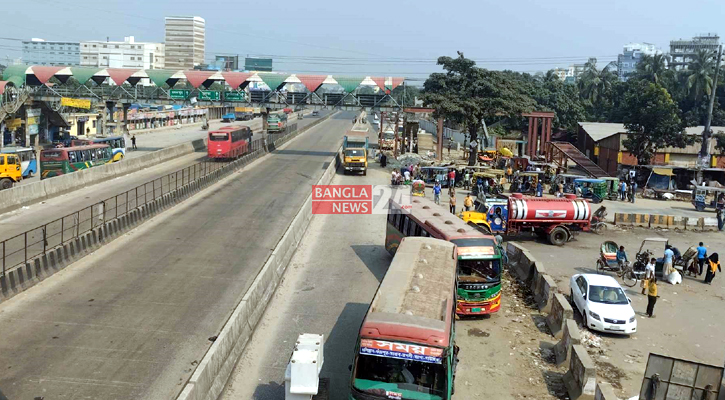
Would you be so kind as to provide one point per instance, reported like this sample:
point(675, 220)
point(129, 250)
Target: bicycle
point(625, 271)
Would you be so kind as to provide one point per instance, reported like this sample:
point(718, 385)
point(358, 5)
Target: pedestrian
point(449, 147)
point(437, 193)
point(479, 186)
point(452, 178)
point(453, 203)
point(468, 202)
point(720, 209)
point(651, 297)
point(383, 160)
point(649, 274)
point(467, 180)
point(486, 186)
point(667, 269)
point(560, 189)
point(701, 256)
point(509, 174)
point(133, 142)
point(713, 264)
point(406, 174)
point(394, 177)
point(633, 191)
point(539, 190)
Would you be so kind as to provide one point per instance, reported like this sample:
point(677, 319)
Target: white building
point(56, 53)
point(631, 55)
point(126, 54)
point(185, 42)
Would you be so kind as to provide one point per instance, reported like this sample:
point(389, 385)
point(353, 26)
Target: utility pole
point(705, 149)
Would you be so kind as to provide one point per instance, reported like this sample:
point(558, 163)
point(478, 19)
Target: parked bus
point(64, 160)
point(479, 259)
point(28, 161)
point(406, 345)
point(276, 122)
point(229, 142)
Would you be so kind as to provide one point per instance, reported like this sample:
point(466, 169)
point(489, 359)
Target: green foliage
point(405, 95)
point(652, 121)
point(699, 75)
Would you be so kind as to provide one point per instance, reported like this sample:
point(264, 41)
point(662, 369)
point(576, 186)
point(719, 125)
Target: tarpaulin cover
point(2, 86)
point(657, 181)
point(274, 81)
point(83, 74)
point(197, 78)
point(312, 82)
point(235, 79)
point(159, 76)
point(349, 83)
point(662, 171)
point(45, 73)
point(119, 75)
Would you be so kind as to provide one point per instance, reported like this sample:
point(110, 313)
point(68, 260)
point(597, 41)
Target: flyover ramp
point(134, 318)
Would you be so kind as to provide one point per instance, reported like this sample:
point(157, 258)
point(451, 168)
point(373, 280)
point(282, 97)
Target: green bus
point(276, 122)
point(64, 160)
point(479, 257)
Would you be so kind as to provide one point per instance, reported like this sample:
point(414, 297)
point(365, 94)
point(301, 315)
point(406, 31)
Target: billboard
point(258, 64)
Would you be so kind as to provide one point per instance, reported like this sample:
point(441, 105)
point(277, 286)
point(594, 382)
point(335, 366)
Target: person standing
point(452, 178)
point(437, 193)
point(649, 274)
point(485, 186)
point(632, 191)
point(651, 296)
point(133, 142)
point(468, 202)
point(624, 190)
point(701, 256)
point(713, 265)
point(719, 210)
point(560, 189)
point(467, 180)
point(452, 203)
point(509, 174)
point(449, 147)
point(539, 190)
point(667, 269)
point(479, 187)
point(383, 160)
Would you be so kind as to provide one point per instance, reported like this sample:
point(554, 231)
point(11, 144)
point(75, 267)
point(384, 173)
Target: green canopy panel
point(15, 71)
point(159, 76)
point(349, 83)
point(274, 81)
point(83, 74)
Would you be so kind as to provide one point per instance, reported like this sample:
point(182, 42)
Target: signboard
point(401, 351)
point(179, 94)
point(243, 109)
point(14, 123)
point(32, 121)
point(234, 96)
point(258, 64)
point(33, 112)
point(75, 103)
point(32, 129)
point(209, 95)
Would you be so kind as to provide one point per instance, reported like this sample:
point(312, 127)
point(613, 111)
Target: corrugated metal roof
point(602, 130)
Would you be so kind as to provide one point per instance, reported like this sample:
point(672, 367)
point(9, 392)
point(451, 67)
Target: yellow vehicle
point(355, 152)
point(10, 171)
point(494, 181)
point(478, 216)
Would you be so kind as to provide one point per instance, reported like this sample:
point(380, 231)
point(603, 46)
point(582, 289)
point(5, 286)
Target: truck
point(553, 219)
point(10, 170)
point(243, 113)
point(355, 147)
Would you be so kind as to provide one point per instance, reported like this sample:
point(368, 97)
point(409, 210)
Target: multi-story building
point(185, 42)
point(631, 55)
point(126, 54)
point(41, 52)
point(682, 52)
point(575, 70)
point(560, 72)
point(227, 63)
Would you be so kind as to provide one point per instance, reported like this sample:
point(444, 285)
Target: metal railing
point(20, 249)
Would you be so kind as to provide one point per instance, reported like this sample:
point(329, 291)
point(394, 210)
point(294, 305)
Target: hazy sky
point(374, 37)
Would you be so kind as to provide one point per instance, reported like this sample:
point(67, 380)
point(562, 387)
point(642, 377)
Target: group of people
point(627, 190)
point(405, 176)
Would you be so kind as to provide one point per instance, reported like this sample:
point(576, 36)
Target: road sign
point(179, 94)
point(209, 95)
point(234, 96)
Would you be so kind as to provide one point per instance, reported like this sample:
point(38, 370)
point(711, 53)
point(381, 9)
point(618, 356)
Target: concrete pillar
point(439, 148)
point(534, 137)
point(529, 136)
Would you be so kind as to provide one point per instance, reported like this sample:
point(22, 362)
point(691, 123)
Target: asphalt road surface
point(132, 320)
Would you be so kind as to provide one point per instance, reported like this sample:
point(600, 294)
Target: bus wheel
point(6, 183)
point(558, 236)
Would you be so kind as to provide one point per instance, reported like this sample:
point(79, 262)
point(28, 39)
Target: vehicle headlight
point(633, 318)
point(594, 315)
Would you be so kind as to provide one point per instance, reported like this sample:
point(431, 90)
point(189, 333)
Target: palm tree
point(699, 74)
point(593, 83)
point(652, 67)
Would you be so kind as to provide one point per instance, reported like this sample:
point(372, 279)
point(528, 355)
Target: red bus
point(229, 142)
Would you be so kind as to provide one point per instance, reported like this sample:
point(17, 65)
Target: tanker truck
point(553, 219)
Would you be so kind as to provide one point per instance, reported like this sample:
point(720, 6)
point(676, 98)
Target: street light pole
point(705, 149)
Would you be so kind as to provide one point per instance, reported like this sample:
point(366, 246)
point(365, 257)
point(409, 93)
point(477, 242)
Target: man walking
point(701, 257)
point(624, 190)
point(133, 142)
point(633, 191)
point(452, 203)
point(651, 297)
point(437, 193)
point(479, 187)
point(468, 202)
point(452, 178)
point(668, 259)
point(467, 181)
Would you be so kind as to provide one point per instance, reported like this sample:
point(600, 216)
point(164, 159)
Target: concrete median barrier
point(545, 291)
point(605, 391)
point(628, 219)
point(537, 271)
point(707, 224)
point(580, 380)
point(661, 221)
point(561, 311)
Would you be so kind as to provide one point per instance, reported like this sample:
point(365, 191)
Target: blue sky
point(374, 37)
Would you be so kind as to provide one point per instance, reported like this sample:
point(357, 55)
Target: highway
point(132, 320)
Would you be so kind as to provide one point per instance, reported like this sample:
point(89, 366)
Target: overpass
point(213, 88)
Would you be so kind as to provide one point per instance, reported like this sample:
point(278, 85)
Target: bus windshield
point(218, 137)
point(407, 379)
point(479, 271)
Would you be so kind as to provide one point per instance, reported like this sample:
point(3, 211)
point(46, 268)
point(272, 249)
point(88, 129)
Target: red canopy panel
point(2, 86)
point(119, 75)
point(312, 82)
point(45, 73)
point(196, 78)
point(380, 81)
point(396, 82)
point(235, 79)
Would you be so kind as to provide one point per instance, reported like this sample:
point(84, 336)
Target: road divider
point(526, 268)
point(581, 379)
point(666, 221)
point(560, 313)
point(105, 226)
point(570, 336)
point(212, 373)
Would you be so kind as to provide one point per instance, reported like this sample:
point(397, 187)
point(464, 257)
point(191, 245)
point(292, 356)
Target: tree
point(700, 74)
point(652, 121)
point(405, 95)
point(552, 94)
point(652, 67)
point(468, 95)
point(595, 87)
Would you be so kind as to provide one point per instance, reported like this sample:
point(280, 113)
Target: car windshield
point(354, 153)
point(483, 271)
point(607, 295)
point(408, 379)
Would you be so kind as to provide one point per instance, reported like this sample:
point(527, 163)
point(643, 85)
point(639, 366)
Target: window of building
point(85, 57)
point(105, 47)
point(116, 46)
point(133, 58)
point(105, 57)
point(94, 46)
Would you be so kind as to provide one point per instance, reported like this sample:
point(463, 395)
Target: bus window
point(417, 230)
point(406, 226)
point(85, 155)
point(93, 153)
point(108, 153)
point(72, 156)
point(2, 160)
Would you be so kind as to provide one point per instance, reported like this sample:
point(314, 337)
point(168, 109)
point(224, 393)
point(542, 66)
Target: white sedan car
point(602, 303)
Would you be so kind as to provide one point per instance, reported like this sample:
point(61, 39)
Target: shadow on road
point(340, 348)
point(375, 257)
point(271, 390)
point(305, 153)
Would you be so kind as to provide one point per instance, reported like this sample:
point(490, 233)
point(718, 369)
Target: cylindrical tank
point(540, 209)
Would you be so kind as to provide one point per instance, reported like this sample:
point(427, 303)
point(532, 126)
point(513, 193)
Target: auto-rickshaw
point(494, 183)
point(526, 182)
point(595, 189)
point(565, 179)
point(612, 187)
point(431, 175)
point(706, 197)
